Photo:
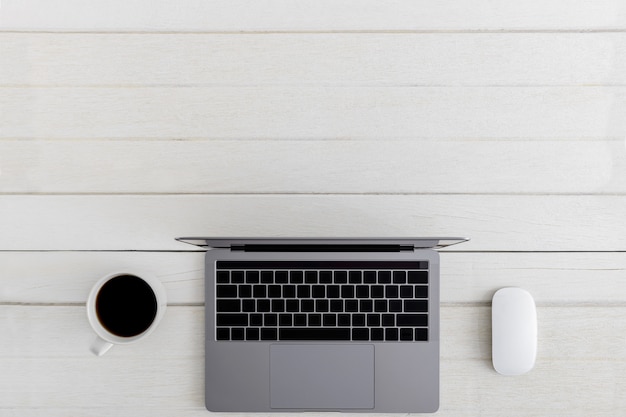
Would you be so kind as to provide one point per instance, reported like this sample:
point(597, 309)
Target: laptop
point(296, 324)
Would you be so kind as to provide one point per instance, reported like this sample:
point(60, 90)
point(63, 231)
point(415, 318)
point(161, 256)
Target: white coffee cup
point(124, 307)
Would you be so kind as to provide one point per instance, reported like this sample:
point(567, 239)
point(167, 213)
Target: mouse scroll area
point(321, 377)
point(514, 331)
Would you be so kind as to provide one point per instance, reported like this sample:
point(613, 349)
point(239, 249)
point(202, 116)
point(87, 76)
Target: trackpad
point(321, 376)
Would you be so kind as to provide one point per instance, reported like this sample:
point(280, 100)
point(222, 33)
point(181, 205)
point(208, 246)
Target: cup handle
point(100, 346)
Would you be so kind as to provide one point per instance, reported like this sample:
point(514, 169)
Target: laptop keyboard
point(322, 301)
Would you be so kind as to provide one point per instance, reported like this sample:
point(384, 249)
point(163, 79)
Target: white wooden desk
point(126, 124)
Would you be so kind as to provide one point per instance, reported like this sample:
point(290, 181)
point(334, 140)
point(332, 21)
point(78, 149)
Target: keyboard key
point(299, 319)
point(406, 291)
point(347, 291)
point(420, 306)
point(329, 320)
point(360, 334)
point(292, 306)
point(395, 306)
point(373, 320)
point(248, 306)
point(384, 277)
point(245, 291)
point(315, 319)
point(358, 320)
point(377, 291)
point(222, 277)
point(354, 277)
point(362, 291)
point(296, 277)
point(335, 333)
point(281, 277)
point(285, 319)
point(326, 277)
point(259, 291)
point(321, 306)
point(223, 333)
point(380, 306)
point(289, 291)
point(226, 291)
point(340, 277)
point(377, 334)
point(236, 277)
point(351, 306)
point(336, 306)
point(332, 291)
point(274, 291)
point(237, 333)
point(228, 306)
point(252, 277)
point(318, 291)
point(223, 319)
point(421, 291)
point(307, 306)
point(392, 291)
point(421, 335)
point(256, 319)
point(406, 334)
point(369, 277)
point(399, 277)
point(303, 291)
point(267, 277)
point(310, 277)
point(417, 277)
point(391, 334)
point(263, 306)
point(252, 333)
point(269, 333)
point(278, 306)
point(343, 319)
point(412, 320)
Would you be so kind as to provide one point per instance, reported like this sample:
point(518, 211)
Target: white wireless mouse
point(514, 331)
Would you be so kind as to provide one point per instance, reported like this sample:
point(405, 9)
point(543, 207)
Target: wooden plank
point(302, 166)
point(494, 222)
point(552, 278)
point(67, 277)
point(303, 112)
point(468, 278)
point(464, 410)
point(167, 368)
point(556, 387)
point(64, 331)
point(453, 59)
point(237, 15)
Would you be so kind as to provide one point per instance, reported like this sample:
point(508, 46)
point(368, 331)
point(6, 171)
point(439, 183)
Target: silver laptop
point(322, 324)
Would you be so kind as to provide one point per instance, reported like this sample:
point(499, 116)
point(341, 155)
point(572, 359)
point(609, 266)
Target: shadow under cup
point(126, 305)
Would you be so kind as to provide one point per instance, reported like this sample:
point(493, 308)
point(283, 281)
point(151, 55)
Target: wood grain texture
point(341, 59)
point(554, 279)
point(313, 166)
point(313, 112)
point(501, 223)
point(52, 368)
point(267, 15)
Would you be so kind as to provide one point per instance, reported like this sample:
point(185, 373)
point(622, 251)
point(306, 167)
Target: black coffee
point(126, 305)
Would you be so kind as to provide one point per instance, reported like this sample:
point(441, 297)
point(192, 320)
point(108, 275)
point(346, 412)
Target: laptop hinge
point(321, 248)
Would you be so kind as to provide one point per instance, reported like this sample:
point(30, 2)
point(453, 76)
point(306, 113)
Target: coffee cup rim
point(156, 286)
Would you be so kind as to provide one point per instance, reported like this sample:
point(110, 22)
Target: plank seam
point(311, 32)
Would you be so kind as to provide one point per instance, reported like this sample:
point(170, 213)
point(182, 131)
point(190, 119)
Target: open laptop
point(322, 324)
